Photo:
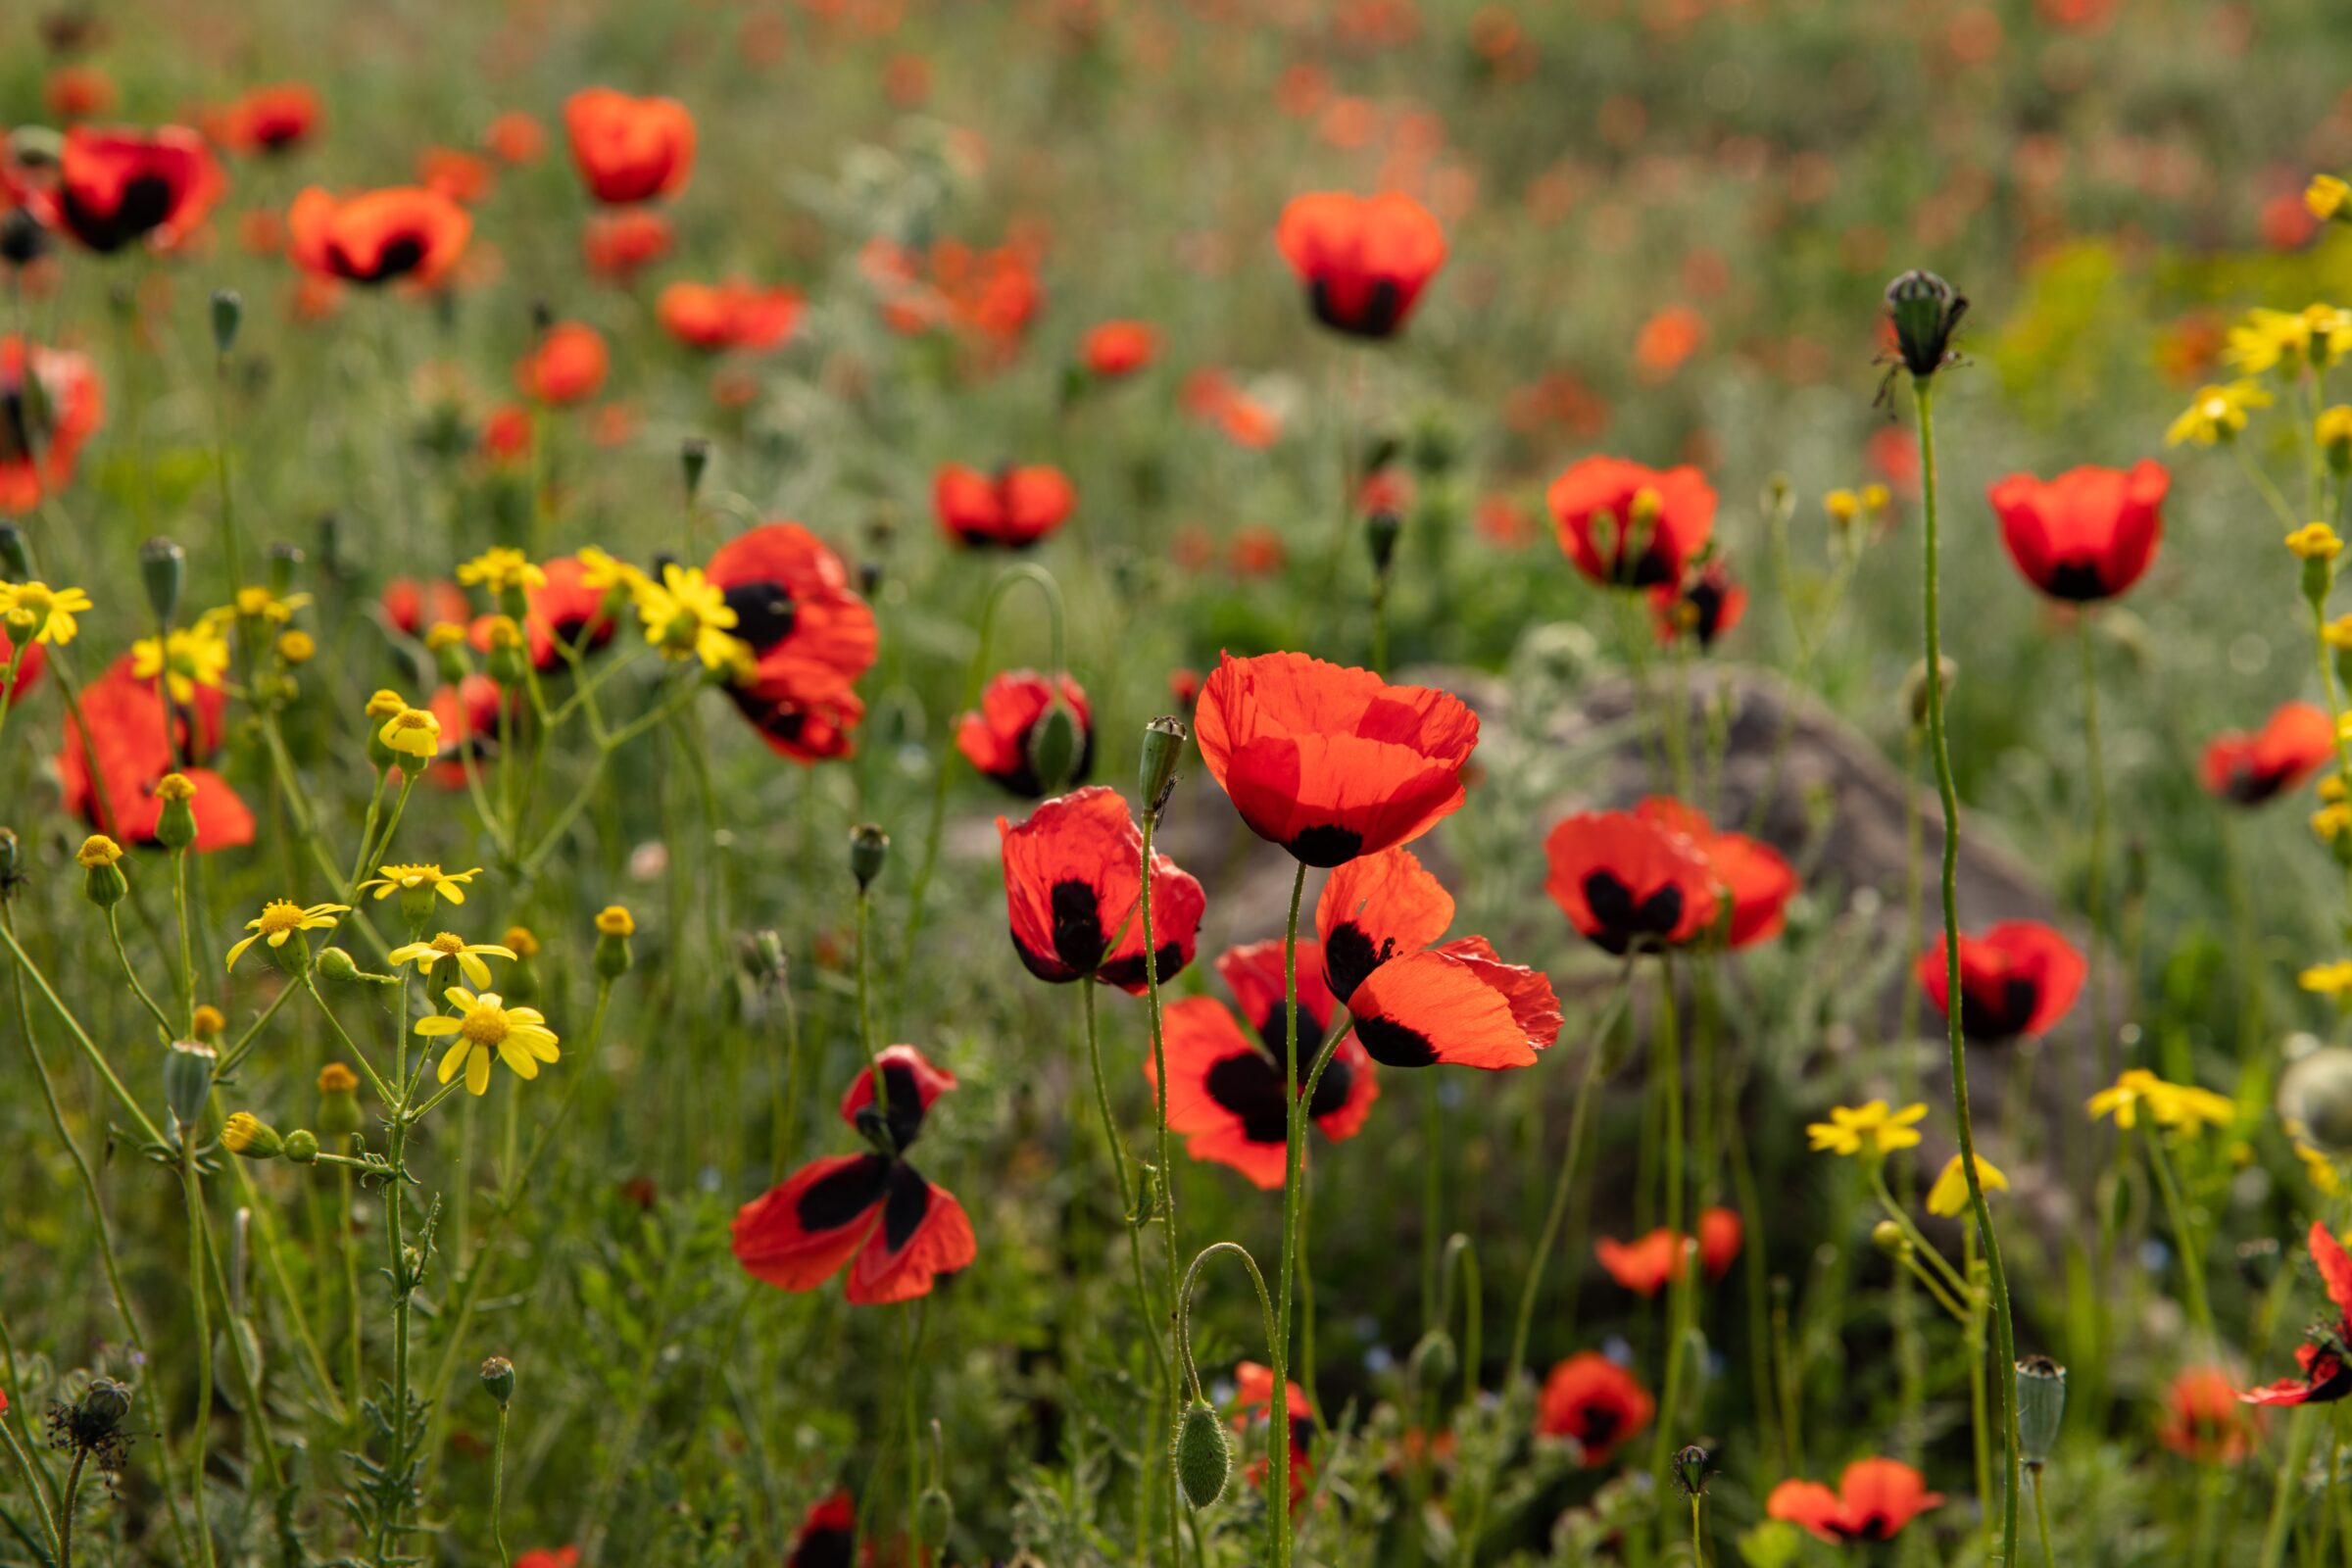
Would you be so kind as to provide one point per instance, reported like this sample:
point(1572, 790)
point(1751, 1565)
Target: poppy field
point(1179, 783)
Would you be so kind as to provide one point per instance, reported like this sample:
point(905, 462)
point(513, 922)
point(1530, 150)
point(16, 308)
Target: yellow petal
point(510, 1051)
point(475, 969)
point(477, 1073)
point(238, 951)
point(453, 1058)
point(439, 1025)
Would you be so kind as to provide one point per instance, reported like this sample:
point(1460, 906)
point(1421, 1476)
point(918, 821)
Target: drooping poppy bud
point(1203, 1456)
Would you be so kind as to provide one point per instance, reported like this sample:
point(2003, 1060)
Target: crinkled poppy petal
point(1253, 974)
point(925, 1234)
point(1535, 1006)
point(1178, 903)
point(1438, 1007)
point(797, 1236)
point(1375, 908)
point(913, 1083)
point(792, 598)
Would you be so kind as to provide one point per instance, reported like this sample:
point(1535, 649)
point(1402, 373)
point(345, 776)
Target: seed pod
point(2040, 1408)
point(497, 1379)
point(1203, 1456)
point(869, 852)
point(16, 560)
point(163, 572)
point(1381, 533)
point(1691, 1467)
point(1926, 310)
point(228, 313)
point(187, 1079)
point(933, 1517)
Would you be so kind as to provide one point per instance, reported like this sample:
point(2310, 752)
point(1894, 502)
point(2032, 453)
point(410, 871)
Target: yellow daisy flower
point(688, 614)
point(391, 879)
point(500, 568)
point(604, 571)
point(1850, 1128)
point(2182, 1107)
point(2217, 413)
point(447, 945)
point(186, 657)
point(2327, 197)
point(484, 1024)
point(413, 732)
point(2328, 979)
point(280, 920)
point(263, 605)
point(1949, 1196)
point(42, 612)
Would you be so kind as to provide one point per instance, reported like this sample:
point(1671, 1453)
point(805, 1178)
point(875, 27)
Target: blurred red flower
point(1364, 261)
point(629, 149)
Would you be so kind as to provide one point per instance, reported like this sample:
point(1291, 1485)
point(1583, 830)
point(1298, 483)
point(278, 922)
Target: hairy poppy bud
point(1691, 1467)
point(103, 882)
point(228, 313)
point(1927, 311)
point(933, 1517)
point(1381, 531)
point(163, 572)
point(247, 1135)
point(869, 851)
point(497, 1379)
point(187, 1079)
point(614, 926)
point(694, 456)
point(1163, 751)
point(302, 1147)
point(175, 823)
point(338, 1100)
point(1054, 745)
point(1434, 1359)
point(2040, 1408)
point(1203, 1456)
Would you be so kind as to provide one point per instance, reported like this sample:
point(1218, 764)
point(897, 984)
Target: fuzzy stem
point(1278, 1437)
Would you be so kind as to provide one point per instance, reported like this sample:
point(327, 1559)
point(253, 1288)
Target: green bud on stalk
point(1926, 310)
point(302, 1147)
point(497, 1379)
point(163, 572)
point(1055, 747)
point(228, 313)
point(869, 852)
point(1163, 750)
point(189, 1079)
point(1203, 1456)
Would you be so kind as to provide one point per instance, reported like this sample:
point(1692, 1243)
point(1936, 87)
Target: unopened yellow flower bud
point(385, 703)
point(208, 1021)
point(444, 634)
point(2315, 541)
point(615, 921)
point(97, 850)
point(247, 1135)
point(296, 647)
point(519, 941)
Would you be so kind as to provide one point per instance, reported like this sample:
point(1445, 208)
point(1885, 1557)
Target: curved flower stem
point(114, 929)
point(2264, 487)
point(1278, 1480)
point(2004, 1328)
point(1028, 572)
point(1184, 1308)
point(1578, 1119)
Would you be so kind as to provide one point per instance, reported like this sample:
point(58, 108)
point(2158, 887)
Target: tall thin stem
point(1278, 1481)
point(2095, 888)
point(2005, 1330)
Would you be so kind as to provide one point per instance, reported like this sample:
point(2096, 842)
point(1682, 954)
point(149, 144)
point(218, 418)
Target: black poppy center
point(1374, 315)
point(1325, 846)
point(839, 1197)
point(764, 613)
point(1350, 957)
point(401, 255)
point(825, 1546)
point(1998, 1010)
point(1078, 938)
point(1600, 1423)
point(2077, 580)
point(1626, 920)
point(142, 204)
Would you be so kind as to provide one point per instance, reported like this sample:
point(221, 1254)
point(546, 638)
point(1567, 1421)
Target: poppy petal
point(797, 1236)
point(923, 1234)
point(1442, 1007)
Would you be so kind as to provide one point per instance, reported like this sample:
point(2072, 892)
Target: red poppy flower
point(547, 1558)
point(1225, 1076)
point(827, 1536)
point(403, 231)
point(414, 606)
point(1416, 1002)
point(1115, 349)
point(618, 245)
point(1253, 1405)
point(1364, 261)
point(1593, 1401)
point(996, 739)
point(50, 404)
point(1073, 883)
point(902, 1231)
point(454, 173)
point(629, 149)
point(514, 137)
point(1629, 881)
point(1628, 526)
point(565, 610)
point(728, 315)
point(803, 709)
point(2204, 1419)
point(1647, 1265)
point(272, 119)
point(2086, 534)
point(2326, 1376)
point(792, 598)
point(2019, 978)
point(2296, 742)
point(1332, 762)
point(469, 715)
point(115, 186)
point(108, 775)
point(567, 366)
point(79, 92)
point(1875, 1498)
point(1011, 509)
point(1750, 875)
point(1184, 688)
point(1704, 604)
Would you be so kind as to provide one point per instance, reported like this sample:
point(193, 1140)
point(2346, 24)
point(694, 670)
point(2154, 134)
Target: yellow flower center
point(485, 1024)
point(447, 945)
point(278, 915)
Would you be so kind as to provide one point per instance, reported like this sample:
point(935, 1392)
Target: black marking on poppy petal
point(2078, 580)
point(1993, 1016)
point(144, 203)
point(1077, 923)
point(1044, 965)
point(1377, 317)
point(1600, 1423)
point(1249, 1087)
point(823, 1547)
point(764, 613)
point(1705, 600)
point(2247, 786)
point(1393, 1045)
point(1331, 1090)
point(399, 258)
point(903, 1212)
point(1274, 1031)
point(1348, 956)
point(1129, 971)
point(906, 1119)
point(839, 1197)
point(1325, 846)
point(2330, 1379)
point(1624, 920)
